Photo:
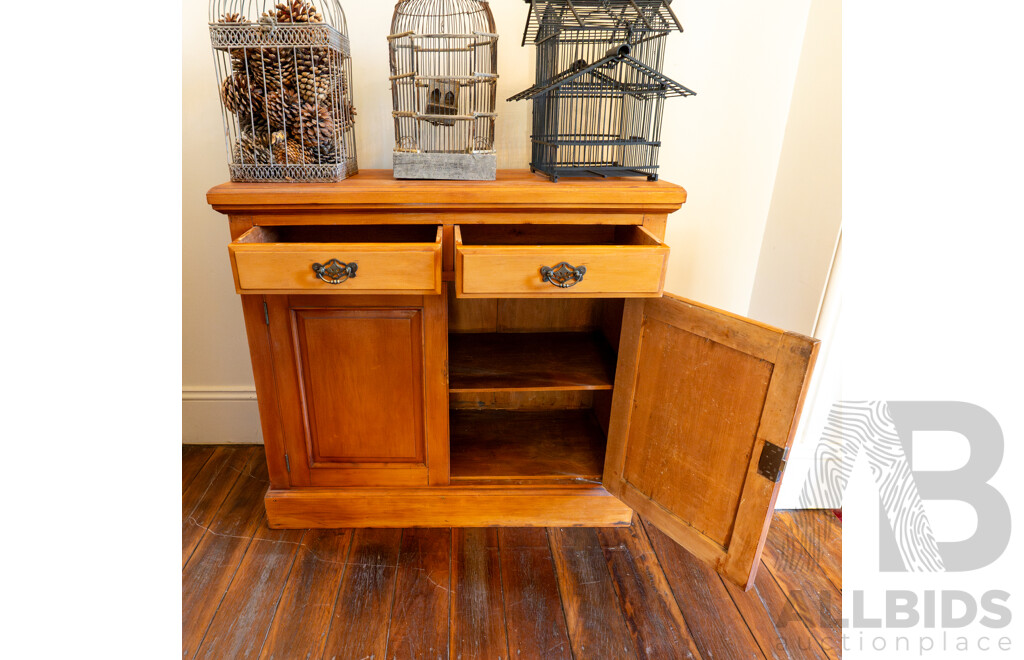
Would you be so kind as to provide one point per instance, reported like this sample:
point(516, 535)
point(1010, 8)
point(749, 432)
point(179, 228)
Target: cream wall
point(806, 209)
point(799, 252)
point(724, 145)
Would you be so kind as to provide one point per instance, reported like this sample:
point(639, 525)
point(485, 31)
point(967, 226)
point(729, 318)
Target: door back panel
point(698, 394)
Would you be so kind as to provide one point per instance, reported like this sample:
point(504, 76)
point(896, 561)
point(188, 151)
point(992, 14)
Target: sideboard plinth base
point(446, 506)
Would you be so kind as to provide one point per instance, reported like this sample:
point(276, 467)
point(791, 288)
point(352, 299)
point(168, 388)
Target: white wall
point(740, 56)
point(825, 389)
point(215, 355)
point(806, 209)
point(723, 145)
point(803, 229)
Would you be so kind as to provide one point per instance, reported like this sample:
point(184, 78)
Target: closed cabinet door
point(704, 411)
point(360, 384)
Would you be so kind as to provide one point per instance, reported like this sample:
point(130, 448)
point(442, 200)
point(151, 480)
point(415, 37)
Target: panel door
point(360, 382)
point(705, 407)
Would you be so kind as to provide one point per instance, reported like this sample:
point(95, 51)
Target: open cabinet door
point(704, 411)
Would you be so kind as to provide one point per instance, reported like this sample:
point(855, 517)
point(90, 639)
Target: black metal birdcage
point(599, 94)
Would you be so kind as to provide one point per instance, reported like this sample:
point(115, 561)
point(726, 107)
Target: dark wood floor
point(252, 592)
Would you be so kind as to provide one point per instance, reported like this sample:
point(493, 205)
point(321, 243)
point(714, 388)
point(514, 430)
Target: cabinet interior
point(341, 234)
point(530, 388)
point(494, 234)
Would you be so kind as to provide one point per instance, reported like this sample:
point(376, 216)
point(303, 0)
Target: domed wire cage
point(284, 73)
point(599, 95)
point(444, 73)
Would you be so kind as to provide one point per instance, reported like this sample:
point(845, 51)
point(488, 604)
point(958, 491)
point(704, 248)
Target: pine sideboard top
point(513, 189)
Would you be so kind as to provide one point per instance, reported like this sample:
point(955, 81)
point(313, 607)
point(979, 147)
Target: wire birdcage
point(284, 73)
point(599, 95)
point(444, 72)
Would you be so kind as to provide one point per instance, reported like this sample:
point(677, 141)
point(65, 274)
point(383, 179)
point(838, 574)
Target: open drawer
point(526, 261)
point(338, 259)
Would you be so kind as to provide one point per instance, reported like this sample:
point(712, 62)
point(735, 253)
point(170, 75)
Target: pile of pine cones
point(291, 102)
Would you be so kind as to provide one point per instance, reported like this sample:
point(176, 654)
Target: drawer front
point(516, 270)
point(356, 267)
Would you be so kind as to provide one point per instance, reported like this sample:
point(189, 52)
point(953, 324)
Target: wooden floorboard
point(419, 614)
point(534, 620)
point(211, 568)
point(307, 604)
point(193, 457)
point(248, 591)
point(240, 625)
point(773, 620)
point(821, 535)
point(651, 613)
point(818, 602)
point(597, 628)
point(478, 611)
point(207, 491)
point(359, 626)
point(718, 628)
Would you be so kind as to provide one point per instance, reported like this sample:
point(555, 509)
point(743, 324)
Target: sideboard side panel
point(257, 331)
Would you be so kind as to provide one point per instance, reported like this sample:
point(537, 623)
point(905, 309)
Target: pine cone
point(276, 68)
point(237, 61)
point(250, 151)
point(338, 98)
point(232, 18)
point(317, 124)
point(248, 107)
point(275, 149)
point(287, 151)
point(276, 111)
point(273, 111)
point(298, 11)
point(324, 154)
point(234, 93)
point(314, 73)
point(266, 67)
point(328, 153)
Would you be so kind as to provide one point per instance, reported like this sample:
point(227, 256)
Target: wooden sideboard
point(444, 353)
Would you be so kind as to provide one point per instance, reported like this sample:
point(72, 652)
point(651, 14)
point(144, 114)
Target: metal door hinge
point(266, 313)
point(287, 464)
point(772, 462)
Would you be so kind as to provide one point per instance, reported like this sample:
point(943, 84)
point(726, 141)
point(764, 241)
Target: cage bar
point(444, 60)
point(284, 73)
point(599, 95)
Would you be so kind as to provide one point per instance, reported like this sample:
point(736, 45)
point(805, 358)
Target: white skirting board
point(219, 416)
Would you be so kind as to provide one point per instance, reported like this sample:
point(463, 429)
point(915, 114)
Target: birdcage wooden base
point(450, 167)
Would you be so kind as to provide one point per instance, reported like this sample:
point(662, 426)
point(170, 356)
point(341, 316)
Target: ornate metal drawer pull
point(564, 275)
point(334, 271)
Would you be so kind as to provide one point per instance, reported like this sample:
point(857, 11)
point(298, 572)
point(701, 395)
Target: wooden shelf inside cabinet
point(521, 445)
point(529, 361)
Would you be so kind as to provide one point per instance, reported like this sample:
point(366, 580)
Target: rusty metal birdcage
point(285, 78)
point(444, 73)
point(599, 93)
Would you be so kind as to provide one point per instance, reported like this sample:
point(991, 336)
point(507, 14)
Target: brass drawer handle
point(334, 271)
point(564, 275)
